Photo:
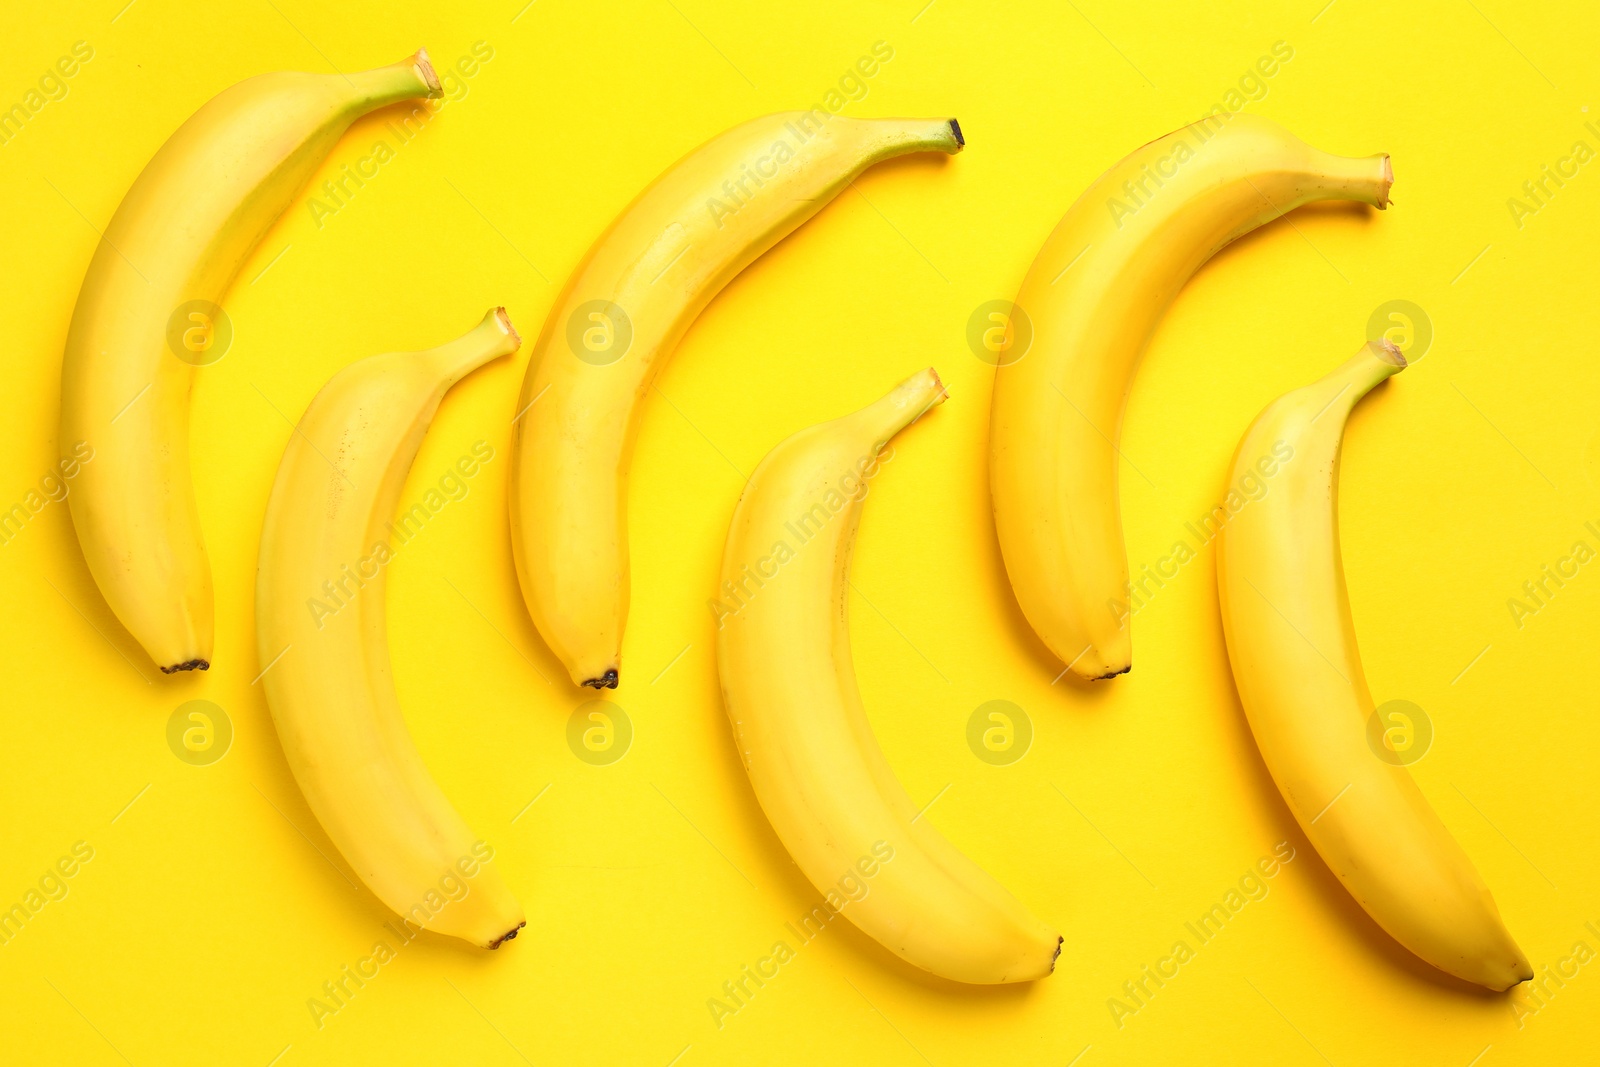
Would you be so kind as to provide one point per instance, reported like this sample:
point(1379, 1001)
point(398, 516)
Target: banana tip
point(430, 76)
point(955, 128)
point(188, 665)
point(607, 680)
point(1384, 199)
point(1520, 971)
point(509, 935)
point(1390, 353)
point(1056, 955)
point(505, 321)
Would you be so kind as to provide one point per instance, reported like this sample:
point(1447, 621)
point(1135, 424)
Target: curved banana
point(1094, 295)
point(622, 312)
point(322, 634)
point(783, 651)
point(168, 255)
point(1293, 647)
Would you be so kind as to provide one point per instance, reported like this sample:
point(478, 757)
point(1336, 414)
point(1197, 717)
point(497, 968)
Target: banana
point(1093, 297)
point(323, 638)
point(783, 653)
point(168, 255)
point(1286, 615)
point(623, 311)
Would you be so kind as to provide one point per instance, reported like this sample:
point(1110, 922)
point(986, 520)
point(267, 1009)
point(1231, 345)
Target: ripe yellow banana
point(323, 639)
point(1290, 638)
point(169, 254)
point(1093, 296)
point(627, 304)
point(783, 652)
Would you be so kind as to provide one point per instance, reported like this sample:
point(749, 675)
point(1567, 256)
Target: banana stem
point(1376, 361)
point(408, 79)
point(900, 137)
point(905, 404)
point(490, 339)
point(1367, 179)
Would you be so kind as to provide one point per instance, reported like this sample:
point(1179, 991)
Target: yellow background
point(212, 910)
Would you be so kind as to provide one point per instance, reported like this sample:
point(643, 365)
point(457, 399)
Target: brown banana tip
point(607, 680)
point(1057, 954)
point(1112, 674)
point(429, 75)
point(1384, 199)
point(509, 935)
point(1390, 353)
point(505, 320)
point(188, 665)
point(955, 128)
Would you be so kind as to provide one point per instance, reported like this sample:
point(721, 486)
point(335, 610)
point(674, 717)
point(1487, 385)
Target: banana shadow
point(1351, 209)
point(1322, 882)
point(560, 694)
point(74, 582)
point(997, 581)
point(76, 585)
point(916, 162)
point(1347, 212)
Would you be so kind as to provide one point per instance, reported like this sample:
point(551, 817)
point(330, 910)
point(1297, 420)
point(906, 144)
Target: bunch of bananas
point(1093, 297)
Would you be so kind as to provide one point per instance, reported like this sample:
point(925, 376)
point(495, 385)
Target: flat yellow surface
point(213, 908)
